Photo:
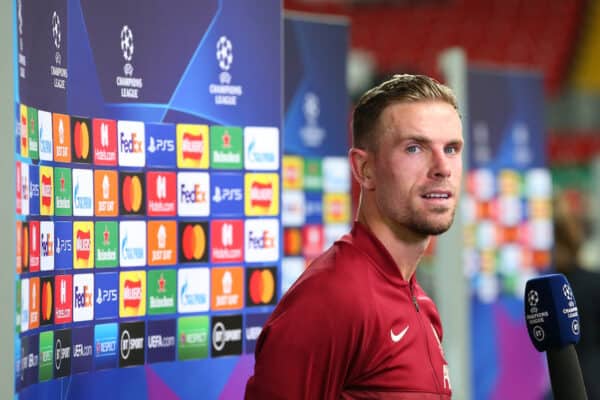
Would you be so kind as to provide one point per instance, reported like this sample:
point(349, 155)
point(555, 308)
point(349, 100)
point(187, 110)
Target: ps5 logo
point(163, 145)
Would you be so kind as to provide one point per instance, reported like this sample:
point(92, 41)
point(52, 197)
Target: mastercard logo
point(193, 242)
point(81, 141)
point(25, 250)
point(261, 286)
point(47, 301)
point(292, 241)
point(132, 194)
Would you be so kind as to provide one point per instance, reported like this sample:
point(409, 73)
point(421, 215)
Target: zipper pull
point(414, 298)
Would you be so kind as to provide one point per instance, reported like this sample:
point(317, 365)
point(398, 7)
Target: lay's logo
point(192, 146)
point(83, 233)
point(132, 298)
point(262, 194)
point(47, 191)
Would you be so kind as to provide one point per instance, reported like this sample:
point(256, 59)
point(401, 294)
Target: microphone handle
point(565, 374)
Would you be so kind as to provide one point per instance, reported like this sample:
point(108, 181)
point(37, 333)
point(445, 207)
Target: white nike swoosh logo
point(398, 337)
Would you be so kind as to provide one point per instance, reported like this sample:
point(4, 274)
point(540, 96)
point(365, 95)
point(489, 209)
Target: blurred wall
point(7, 201)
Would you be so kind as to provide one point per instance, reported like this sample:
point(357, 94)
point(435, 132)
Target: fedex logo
point(161, 193)
point(105, 141)
point(131, 143)
point(193, 193)
point(47, 245)
point(83, 297)
point(161, 149)
point(261, 239)
point(228, 241)
point(227, 194)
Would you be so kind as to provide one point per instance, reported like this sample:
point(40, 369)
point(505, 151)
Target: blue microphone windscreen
point(551, 312)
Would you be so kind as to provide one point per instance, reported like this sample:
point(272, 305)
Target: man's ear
point(361, 162)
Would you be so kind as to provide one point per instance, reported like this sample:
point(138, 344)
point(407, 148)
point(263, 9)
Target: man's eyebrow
point(425, 140)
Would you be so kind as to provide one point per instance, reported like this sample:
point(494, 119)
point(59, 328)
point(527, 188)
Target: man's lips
point(437, 195)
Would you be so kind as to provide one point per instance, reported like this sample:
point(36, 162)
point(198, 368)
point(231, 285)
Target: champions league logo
point(129, 85)
point(56, 30)
point(312, 134)
point(225, 93)
point(56, 37)
point(22, 58)
point(58, 73)
point(225, 58)
point(127, 49)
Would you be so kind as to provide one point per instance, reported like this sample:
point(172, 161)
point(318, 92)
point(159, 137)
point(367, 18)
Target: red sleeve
point(306, 348)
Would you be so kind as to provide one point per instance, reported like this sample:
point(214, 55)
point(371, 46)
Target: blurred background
point(555, 41)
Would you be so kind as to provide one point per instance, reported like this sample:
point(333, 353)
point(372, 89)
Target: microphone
point(553, 326)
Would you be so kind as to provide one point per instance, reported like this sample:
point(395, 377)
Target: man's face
point(418, 166)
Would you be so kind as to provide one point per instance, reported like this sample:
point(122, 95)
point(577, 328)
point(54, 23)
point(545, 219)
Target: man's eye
point(412, 149)
point(451, 150)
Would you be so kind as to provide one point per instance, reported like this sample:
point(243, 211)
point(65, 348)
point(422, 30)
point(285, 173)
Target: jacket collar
point(362, 238)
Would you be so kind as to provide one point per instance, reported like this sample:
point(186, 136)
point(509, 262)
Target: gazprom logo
point(261, 148)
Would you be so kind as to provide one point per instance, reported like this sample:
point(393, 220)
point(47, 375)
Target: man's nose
point(440, 165)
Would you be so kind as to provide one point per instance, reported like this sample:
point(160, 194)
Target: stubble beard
point(428, 225)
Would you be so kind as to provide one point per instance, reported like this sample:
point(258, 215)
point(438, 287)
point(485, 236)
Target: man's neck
point(405, 247)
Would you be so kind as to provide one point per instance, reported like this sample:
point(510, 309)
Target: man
point(356, 324)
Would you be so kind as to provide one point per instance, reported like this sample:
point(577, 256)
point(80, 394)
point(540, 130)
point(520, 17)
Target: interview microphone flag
point(552, 322)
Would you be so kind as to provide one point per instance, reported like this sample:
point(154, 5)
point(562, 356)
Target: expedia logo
point(193, 242)
point(132, 194)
